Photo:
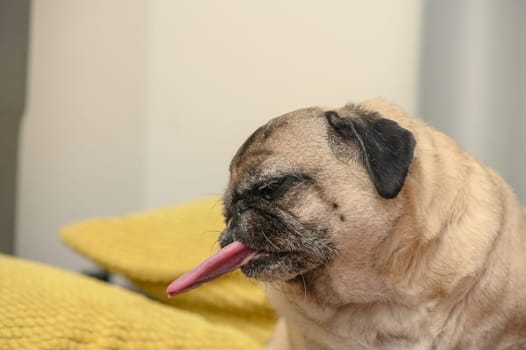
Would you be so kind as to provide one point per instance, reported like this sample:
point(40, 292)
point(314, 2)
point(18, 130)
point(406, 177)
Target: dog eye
point(275, 188)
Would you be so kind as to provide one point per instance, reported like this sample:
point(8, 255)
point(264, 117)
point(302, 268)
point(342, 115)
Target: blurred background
point(114, 107)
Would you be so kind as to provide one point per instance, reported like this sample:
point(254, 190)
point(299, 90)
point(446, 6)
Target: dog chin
point(273, 267)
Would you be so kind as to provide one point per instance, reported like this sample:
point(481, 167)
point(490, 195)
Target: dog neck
point(312, 306)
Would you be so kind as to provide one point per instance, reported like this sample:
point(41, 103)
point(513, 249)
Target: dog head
point(314, 185)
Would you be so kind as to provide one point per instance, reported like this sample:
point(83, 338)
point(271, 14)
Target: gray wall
point(14, 22)
point(473, 80)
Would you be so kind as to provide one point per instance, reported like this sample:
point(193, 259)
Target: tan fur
point(442, 266)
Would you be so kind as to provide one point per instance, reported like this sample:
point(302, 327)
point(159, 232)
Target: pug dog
point(371, 230)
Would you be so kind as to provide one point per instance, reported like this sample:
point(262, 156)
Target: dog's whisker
point(213, 248)
point(213, 231)
point(304, 288)
point(269, 241)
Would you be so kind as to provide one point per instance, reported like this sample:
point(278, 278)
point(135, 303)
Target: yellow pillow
point(47, 308)
point(154, 248)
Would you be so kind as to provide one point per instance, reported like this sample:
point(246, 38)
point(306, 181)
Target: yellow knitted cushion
point(47, 308)
point(154, 248)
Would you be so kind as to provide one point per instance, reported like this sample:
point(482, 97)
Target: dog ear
point(386, 148)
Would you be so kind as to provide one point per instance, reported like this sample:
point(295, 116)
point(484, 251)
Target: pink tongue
point(231, 257)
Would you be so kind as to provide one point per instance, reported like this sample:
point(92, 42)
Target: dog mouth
point(272, 266)
point(296, 250)
point(231, 257)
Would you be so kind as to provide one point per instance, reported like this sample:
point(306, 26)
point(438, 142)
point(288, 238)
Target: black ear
point(386, 148)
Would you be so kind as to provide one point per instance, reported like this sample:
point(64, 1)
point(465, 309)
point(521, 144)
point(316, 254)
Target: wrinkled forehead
point(276, 143)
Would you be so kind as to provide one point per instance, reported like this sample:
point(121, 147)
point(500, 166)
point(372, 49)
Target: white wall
point(82, 143)
point(218, 69)
point(141, 104)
